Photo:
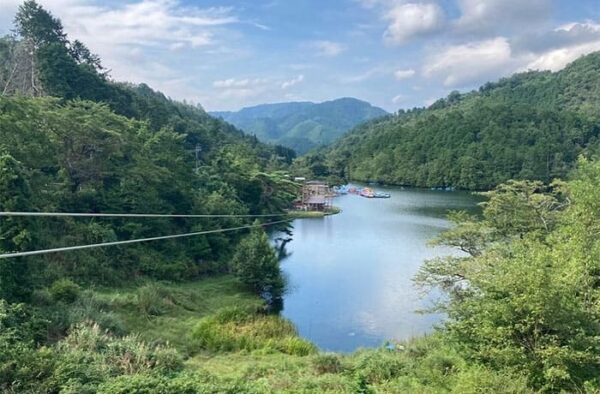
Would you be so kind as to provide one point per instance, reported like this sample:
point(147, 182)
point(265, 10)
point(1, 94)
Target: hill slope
point(532, 125)
point(302, 125)
point(102, 146)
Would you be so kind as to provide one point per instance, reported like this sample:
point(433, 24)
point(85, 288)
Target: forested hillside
point(302, 125)
point(72, 140)
point(529, 126)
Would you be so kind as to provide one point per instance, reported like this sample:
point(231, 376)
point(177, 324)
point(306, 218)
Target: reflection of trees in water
point(283, 237)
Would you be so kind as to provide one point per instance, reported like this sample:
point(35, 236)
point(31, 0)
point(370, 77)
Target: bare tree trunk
point(10, 77)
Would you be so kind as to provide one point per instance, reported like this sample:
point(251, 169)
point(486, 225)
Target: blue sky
point(395, 54)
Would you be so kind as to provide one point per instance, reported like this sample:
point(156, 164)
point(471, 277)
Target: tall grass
point(236, 329)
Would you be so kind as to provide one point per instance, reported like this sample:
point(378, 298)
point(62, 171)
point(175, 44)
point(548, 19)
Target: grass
point(163, 312)
point(280, 372)
point(236, 329)
point(224, 336)
point(314, 214)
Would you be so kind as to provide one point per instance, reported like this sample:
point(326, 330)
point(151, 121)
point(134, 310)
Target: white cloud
point(398, 98)
point(327, 48)
point(404, 74)
point(240, 90)
point(564, 45)
point(140, 40)
point(413, 20)
point(557, 59)
point(233, 83)
point(479, 61)
point(292, 82)
point(152, 23)
point(368, 74)
point(480, 16)
point(460, 65)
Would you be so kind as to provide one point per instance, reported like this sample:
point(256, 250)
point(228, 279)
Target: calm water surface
point(350, 274)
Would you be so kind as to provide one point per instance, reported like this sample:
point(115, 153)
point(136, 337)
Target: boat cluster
point(361, 191)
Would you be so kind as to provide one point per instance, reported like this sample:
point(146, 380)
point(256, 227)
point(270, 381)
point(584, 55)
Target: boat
point(343, 189)
point(382, 195)
point(367, 192)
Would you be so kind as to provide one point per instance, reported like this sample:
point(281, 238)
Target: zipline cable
point(132, 241)
point(134, 215)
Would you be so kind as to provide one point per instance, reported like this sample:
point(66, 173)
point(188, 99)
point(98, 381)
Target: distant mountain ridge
point(302, 125)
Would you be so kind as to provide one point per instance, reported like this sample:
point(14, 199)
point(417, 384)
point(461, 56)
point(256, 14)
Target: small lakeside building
point(315, 196)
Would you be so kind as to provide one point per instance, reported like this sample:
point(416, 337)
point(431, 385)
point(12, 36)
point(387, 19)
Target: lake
point(350, 274)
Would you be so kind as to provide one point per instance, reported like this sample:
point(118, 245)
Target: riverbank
point(314, 214)
point(222, 335)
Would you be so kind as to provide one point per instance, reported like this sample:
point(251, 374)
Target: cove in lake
point(350, 274)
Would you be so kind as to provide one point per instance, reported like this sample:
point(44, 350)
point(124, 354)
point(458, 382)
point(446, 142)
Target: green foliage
point(179, 307)
point(110, 163)
point(256, 265)
point(185, 383)
point(14, 234)
point(527, 301)
point(151, 299)
point(236, 329)
point(530, 126)
point(64, 290)
point(327, 363)
point(34, 23)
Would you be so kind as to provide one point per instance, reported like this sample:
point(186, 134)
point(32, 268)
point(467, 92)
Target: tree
point(38, 28)
point(83, 55)
point(525, 297)
point(14, 233)
point(255, 264)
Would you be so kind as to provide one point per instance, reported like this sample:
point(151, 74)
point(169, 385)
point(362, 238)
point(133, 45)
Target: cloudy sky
point(227, 54)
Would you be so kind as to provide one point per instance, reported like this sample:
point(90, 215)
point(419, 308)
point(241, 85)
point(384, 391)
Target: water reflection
point(350, 274)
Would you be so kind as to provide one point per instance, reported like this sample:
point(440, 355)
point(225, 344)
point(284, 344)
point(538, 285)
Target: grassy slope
point(163, 312)
point(168, 312)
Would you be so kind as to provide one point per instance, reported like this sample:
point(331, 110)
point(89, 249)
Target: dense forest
point(302, 126)
point(532, 125)
point(99, 146)
point(189, 315)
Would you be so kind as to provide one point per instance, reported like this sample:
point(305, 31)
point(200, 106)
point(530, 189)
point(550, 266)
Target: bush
point(327, 363)
point(255, 263)
point(296, 346)
point(65, 290)
point(120, 355)
point(153, 300)
point(235, 329)
point(378, 366)
point(184, 383)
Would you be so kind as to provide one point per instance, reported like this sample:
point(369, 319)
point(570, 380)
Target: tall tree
point(14, 233)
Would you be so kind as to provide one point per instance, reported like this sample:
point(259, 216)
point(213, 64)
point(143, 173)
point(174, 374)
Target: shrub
point(235, 329)
point(153, 300)
point(255, 263)
point(184, 383)
point(481, 380)
point(378, 366)
point(65, 290)
point(120, 355)
point(327, 363)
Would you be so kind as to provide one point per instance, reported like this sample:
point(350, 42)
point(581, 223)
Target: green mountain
point(532, 125)
point(73, 140)
point(302, 125)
